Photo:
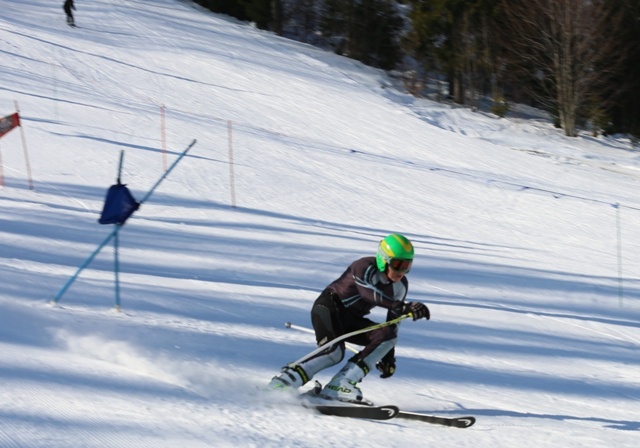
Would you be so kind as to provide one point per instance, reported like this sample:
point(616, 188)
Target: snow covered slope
point(528, 264)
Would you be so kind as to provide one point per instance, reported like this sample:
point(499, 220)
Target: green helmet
point(394, 247)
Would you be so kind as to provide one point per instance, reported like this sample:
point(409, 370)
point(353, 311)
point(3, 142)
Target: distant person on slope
point(341, 308)
point(69, 7)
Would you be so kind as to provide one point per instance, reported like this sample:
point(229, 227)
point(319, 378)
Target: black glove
point(418, 310)
point(387, 365)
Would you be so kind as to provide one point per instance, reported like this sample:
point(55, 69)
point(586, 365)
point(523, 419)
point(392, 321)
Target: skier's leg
point(325, 317)
point(344, 385)
point(380, 342)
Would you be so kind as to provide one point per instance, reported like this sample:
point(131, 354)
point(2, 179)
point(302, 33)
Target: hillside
point(526, 243)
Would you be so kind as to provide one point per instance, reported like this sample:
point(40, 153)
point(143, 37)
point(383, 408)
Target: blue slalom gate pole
point(114, 234)
point(116, 267)
point(166, 173)
point(83, 266)
point(116, 244)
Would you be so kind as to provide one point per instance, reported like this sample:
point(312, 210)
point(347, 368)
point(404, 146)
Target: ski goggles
point(399, 265)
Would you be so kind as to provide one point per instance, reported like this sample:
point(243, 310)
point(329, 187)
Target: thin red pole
point(24, 148)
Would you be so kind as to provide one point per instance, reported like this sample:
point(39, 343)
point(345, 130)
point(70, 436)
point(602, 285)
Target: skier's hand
point(418, 310)
point(386, 367)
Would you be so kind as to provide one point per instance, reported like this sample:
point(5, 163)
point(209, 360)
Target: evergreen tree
point(366, 30)
point(262, 12)
point(457, 38)
point(230, 7)
point(625, 112)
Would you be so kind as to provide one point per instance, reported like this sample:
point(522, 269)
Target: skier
point(341, 308)
point(68, 7)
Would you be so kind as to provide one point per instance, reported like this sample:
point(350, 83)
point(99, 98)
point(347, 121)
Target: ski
point(456, 422)
point(356, 411)
point(368, 410)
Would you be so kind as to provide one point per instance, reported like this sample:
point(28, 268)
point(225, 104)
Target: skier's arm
point(418, 310)
point(366, 285)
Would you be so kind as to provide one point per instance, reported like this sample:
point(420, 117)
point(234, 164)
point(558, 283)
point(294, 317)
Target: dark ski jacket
point(362, 287)
point(68, 6)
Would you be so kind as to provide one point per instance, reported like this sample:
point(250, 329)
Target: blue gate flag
point(119, 205)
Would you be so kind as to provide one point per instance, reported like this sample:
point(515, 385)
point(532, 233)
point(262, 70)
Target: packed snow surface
point(527, 243)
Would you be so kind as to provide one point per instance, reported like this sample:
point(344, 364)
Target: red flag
point(8, 123)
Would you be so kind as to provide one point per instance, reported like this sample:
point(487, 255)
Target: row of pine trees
point(577, 59)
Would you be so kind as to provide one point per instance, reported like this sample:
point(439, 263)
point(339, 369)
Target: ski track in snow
point(528, 267)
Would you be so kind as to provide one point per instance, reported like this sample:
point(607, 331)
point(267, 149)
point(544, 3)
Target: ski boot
point(344, 385)
point(291, 377)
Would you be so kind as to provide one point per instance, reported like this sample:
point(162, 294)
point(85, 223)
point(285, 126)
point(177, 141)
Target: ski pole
point(348, 335)
point(310, 331)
